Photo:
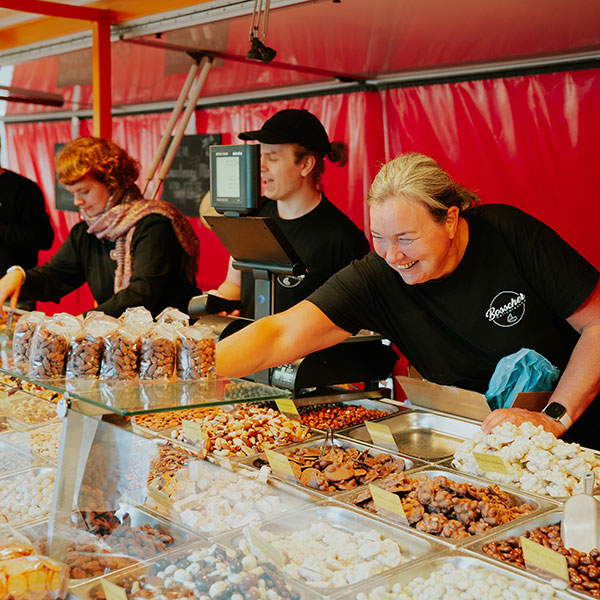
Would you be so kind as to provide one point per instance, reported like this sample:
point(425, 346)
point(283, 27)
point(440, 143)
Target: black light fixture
point(258, 50)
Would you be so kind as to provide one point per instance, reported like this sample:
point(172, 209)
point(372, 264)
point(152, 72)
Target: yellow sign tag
point(160, 498)
point(193, 430)
point(542, 560)
point(113, 591)
point(279, 463)
point(381, 435)
point(287, 407)
point(388, 502)
point(264, 547)
point(490, 463)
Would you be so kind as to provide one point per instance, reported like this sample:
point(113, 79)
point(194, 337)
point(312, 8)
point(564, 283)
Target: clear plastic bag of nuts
point(121, 353)
point(49, 346)
point(86, 347)
point(22, 336)
point(157, 352)
point(174, 317)
point(195, 352)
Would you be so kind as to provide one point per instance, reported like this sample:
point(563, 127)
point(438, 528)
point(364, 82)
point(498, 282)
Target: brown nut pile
point(121, 356)
point(245, 431)
point(339, 416)
point(195, 358)
point(170, 460)
point(340, 468)
point(32, 410)
point(157, 358)
point(584, 569)
point(173, 418)
point(48, 354)
point(85, 357)
point(441, 506)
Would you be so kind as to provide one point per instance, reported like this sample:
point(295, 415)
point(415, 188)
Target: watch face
point(555, 410)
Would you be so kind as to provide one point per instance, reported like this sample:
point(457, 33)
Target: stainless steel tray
point(413, 545)
point(539, 504)
point(455, 558)
point(85, 591)
point(421, 434)
point(258, 460)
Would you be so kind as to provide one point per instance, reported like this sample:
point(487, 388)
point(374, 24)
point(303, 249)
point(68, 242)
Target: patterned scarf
point(117, 224)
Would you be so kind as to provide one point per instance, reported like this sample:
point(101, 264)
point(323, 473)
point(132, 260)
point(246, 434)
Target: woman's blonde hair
point(419, 178)
point(99, 157)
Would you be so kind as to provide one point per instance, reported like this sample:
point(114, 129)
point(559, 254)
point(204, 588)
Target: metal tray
point(451, 557)
point(32, 472)
point(291, 498)
point(254, 461)
point(413, 545)
point(429, 473)
point(421, 434)
point(85, 591)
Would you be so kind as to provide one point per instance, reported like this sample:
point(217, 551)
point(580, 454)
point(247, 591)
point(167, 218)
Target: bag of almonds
point(121, 353)
point(157, 352)
point(22, 336)
point(49, 346)
point(195, 352)
point(174, 317)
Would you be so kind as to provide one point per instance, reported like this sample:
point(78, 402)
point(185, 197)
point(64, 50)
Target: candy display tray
point(424, 435)
point(540, 505)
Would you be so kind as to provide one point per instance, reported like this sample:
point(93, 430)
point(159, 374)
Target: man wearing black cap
point(294, 145)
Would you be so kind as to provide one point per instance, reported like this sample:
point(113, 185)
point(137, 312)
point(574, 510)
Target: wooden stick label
point(381, 435)
point(160, 498)
point(264, 547)
point(388, 502)
point(279, 463)
point(113, 591)
point(287, 407)
point(193, 430)
point(491, 463)
point(544, 561)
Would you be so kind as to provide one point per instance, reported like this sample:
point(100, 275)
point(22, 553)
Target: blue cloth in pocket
point(523, 371)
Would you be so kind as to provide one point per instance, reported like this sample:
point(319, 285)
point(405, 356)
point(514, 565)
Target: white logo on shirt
point(506, 309)
point(290, 281)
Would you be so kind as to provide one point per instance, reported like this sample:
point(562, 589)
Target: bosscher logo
point(290, 281)
point(506, 309)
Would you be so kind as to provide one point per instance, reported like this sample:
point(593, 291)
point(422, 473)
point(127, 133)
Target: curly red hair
point(101, 158)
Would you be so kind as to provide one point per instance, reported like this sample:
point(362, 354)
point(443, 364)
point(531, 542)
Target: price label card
point(279, 463)
point(112, 591)
point(542, 560)
point(160, 498)
point(381, 435)
point(264, 547)
point(388, 502)
point(287, 407)
point(490, 462)
point(192, 430)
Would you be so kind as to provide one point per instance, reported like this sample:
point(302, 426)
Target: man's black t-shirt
point(325, 239)
point(515, 286)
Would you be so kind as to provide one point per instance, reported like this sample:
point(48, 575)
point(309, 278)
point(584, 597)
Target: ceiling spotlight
point(258, 50)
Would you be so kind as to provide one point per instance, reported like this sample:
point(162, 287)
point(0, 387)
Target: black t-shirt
point(158, 277)
point(515, 286)
point(325, 239)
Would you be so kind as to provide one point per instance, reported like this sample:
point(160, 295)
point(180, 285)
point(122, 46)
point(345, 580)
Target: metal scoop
point(580, 526)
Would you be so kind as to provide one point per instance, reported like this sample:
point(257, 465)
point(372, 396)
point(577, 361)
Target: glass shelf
point(136, 397)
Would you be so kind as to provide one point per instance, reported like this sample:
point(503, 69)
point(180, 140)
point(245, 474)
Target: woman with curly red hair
point(131, 251)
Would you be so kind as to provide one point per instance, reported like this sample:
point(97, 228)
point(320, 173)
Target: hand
point(520, 415)
point(10, 285)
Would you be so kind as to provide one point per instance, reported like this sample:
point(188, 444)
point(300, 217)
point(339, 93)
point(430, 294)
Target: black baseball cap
point(292, 126)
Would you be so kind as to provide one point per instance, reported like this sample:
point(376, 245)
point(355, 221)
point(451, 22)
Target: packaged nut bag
point(138, 315)
point(22, 336)
point(87, 346)
point(174, 317)
point(157, 352)
point(195, 352)
point(121, 353)
point(49, 346)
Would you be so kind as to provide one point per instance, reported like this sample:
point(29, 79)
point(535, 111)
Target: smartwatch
point(559, 413)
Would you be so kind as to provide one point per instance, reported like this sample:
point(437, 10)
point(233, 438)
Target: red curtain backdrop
point(525, 141)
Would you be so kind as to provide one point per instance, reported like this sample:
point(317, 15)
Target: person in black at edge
point(294, 145)
point(25, 226)
point(455, 286)
point(131, 251)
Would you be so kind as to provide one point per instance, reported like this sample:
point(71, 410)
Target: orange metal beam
point(56, 9)
point(101, 79)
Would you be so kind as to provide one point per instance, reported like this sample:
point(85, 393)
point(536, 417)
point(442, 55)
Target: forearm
point(229, 290)
point(580, 382)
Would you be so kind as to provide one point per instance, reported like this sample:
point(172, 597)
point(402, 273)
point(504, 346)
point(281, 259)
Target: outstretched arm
point(277, 340)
